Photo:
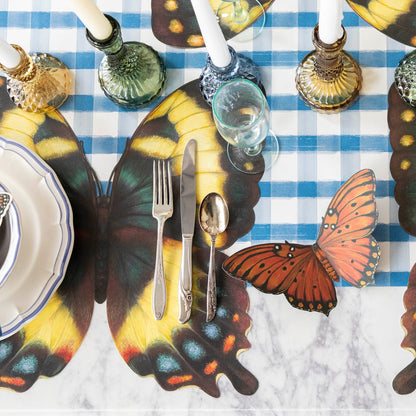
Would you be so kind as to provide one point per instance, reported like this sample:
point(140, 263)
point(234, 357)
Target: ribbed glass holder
point(40, 83)
point(212, 77)
point(328, 79)
point(131, 74)
point(405, 78)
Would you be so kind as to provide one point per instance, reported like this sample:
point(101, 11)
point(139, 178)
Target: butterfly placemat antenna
point(344, 249)
point(114, 252)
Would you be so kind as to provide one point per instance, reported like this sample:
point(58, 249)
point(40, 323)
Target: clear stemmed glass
point(236, 14)
point(241, 114)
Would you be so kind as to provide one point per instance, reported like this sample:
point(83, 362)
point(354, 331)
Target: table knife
point(188, 208)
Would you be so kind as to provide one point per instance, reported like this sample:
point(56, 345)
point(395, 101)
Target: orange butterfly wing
point(290, 268)
point(344, 236)
point(271, 267)
point(312, 289)
point(344, 248)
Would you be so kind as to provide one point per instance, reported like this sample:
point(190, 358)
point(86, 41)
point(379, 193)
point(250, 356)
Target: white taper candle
point(211, 32)
point(9, 57)
point(330, 17)
point(92, 17)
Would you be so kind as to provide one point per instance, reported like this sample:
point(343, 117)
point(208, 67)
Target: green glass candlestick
point(131, 74)
point(328, 79)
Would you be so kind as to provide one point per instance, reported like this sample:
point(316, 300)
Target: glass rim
point(259, 116)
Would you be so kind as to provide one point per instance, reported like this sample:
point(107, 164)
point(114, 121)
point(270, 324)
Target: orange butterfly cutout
point(306, 273)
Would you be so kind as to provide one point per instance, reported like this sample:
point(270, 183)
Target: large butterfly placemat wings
point(174, 22)
point(305, 273)
point(395, 18)
point(402, 123)
point(114, 253)
point(405, 381)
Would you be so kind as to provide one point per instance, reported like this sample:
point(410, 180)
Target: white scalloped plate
point(47, 235)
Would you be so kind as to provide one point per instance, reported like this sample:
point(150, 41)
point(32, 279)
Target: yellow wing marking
point(140, 329)
point(55, 147)
point(54, 327)
point(56, 115)
point(155, 146)
point(21, 126)
point(382, 14)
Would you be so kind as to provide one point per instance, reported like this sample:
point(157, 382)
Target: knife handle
point(185, 280)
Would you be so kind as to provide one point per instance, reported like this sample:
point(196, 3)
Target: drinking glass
point(241, 114)
point(236, 14)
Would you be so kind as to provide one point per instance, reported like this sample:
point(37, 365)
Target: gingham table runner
point(318, 152)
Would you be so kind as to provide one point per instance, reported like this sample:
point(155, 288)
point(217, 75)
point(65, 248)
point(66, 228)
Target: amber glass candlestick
point(328, 79)
point(131, 74)
point(40, 82)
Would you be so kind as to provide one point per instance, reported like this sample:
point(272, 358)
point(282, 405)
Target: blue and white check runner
point(318, 152)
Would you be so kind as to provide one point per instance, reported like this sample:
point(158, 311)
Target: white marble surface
point(306, 364)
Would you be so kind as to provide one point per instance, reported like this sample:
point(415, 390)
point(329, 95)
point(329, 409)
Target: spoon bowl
point(213, 218)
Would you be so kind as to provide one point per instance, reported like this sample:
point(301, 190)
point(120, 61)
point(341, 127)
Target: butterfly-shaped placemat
point(402, 123)
point(405, 381)
point(114, 252)
point(395, 19)
point(174, 22)
point(305, 273)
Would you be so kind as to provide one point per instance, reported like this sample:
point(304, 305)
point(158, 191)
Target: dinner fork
point(162, 210)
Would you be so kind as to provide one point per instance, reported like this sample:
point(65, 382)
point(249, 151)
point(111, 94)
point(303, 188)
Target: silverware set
point(213, 220)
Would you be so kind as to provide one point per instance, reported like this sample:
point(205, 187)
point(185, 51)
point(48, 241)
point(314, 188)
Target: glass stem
point(253, 150)
point(240, 15)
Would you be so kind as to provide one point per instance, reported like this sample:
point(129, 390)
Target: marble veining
point(306, 364)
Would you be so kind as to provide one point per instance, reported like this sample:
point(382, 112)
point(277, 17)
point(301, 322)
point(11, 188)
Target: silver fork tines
point(162, 210)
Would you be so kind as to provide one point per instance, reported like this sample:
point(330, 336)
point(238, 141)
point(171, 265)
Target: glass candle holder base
point(40, 83)
point(212, 77)
point(131, 74)
point(328, 79)
point(255, 161)
point(238, 14)
point(404, 78)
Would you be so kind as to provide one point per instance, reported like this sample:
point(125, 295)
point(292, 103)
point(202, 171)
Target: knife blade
point(188, 208)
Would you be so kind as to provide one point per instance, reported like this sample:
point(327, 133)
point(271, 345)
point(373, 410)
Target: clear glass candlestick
point(131, 74)
point(212, 77)
point(40, 82)
point(328, 79)
point(238, 14)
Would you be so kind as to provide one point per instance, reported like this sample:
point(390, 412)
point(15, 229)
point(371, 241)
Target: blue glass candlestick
point(212, 77)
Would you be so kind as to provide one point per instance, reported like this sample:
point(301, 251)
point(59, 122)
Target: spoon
point(213, 218)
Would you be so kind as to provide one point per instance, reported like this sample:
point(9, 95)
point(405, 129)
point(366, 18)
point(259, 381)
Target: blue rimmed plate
point(46, 240)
